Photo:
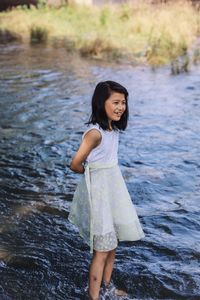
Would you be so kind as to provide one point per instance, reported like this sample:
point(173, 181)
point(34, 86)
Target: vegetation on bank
point(140, 32)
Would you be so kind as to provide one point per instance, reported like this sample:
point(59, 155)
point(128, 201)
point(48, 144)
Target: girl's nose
point(121, 107)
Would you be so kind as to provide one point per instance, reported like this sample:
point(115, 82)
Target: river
point(45, 96)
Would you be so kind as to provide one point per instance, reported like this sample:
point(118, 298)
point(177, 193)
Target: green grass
point(38, 35)
point(153, 34)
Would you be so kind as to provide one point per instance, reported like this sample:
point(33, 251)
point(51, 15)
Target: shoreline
point(141, 34)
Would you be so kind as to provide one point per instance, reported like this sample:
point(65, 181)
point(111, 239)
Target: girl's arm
point(91, 140)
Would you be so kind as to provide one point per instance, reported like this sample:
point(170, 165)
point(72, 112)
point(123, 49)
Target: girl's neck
point(110, 126)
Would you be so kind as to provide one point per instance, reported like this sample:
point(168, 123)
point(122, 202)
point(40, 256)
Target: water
point(44, 101)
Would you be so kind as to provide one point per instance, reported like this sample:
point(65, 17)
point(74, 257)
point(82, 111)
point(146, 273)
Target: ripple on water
point(45, 100)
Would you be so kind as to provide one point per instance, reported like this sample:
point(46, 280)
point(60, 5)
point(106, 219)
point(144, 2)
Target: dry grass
point(157, 34)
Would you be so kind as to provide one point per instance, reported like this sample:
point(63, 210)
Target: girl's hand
point(91, 140)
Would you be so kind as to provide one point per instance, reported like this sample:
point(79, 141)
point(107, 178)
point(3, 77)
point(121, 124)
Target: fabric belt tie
point(88, 167)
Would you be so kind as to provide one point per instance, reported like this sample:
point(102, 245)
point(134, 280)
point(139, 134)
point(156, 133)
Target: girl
point(102, 208)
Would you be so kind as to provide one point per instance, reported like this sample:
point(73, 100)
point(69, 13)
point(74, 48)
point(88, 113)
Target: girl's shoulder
point(115, 132)
point(91, 126)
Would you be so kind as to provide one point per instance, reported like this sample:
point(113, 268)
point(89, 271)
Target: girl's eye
point(116, 102)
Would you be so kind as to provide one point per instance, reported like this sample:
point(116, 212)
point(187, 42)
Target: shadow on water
point(44, 102)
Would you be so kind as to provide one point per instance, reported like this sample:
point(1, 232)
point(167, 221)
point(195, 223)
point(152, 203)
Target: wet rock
point(27, 262)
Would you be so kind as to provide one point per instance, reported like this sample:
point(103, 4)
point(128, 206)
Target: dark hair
point(102, 92)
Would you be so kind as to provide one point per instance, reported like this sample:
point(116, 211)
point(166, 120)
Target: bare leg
point(96, 273)
point(107, 272)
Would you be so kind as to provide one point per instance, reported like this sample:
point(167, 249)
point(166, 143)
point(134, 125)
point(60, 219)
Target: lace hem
point(105, 242)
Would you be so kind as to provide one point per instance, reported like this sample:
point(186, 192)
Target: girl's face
point(115, 106)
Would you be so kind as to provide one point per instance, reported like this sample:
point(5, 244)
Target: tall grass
point(156, 34)
point(38, 35)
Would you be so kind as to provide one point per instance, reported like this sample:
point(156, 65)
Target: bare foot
point(120, 293)
point(110, 288)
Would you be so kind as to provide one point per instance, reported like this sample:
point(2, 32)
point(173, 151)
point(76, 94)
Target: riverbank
point(141, 32)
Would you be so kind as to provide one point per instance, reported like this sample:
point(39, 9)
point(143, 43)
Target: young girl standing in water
point(102, 208)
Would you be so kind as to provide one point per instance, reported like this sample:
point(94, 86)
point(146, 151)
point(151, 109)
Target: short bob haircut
point(102, 92)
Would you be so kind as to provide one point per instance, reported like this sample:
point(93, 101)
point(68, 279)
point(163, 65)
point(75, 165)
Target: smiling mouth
point(118, 114)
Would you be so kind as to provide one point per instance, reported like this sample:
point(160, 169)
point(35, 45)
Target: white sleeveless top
point(107, 150)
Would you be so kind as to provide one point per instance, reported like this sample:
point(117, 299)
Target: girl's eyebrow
point(124, 100)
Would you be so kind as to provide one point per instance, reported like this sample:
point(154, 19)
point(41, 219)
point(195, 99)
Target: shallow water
point(44, 101)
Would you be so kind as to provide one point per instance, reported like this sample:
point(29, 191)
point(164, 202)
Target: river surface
point(45, 97)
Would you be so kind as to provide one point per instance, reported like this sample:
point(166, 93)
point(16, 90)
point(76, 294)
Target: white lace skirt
point(105, 213)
